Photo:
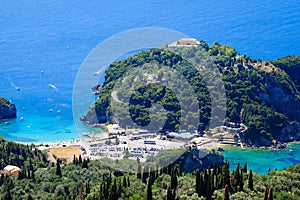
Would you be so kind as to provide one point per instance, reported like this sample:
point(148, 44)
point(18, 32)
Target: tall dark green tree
point(139, 169)
point(145, 175)
point(198, 183)
point(149, 190)
point(74, 159)
point(174, 180)
point(241, 181)
point(80, 159)
point(124, 182)
point(58, 169)
point(29, 197)
point(250, 181)
point(85, 164)
point(245, 168)
point(128, 181)
point(170, 194)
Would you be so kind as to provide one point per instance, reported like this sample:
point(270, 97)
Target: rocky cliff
point(189, 160)
point(7, 110)
point(197, 159)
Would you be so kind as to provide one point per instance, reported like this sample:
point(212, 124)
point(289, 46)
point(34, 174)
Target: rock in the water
point(7, 110)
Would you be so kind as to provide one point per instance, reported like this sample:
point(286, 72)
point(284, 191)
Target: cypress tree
point(202, 186)
point(30, 164)
point(32, 174)
point(128, 181)
point(169, 169)
point(208, 185)
point(139, 171)
point(29, 197)
point(157, 171)
point(58, 170)
point(250, 181)
point(145, 175)
point(124, 182)
point(20, 175)
point(101, 191)
point(160, 171)
point(113, 190)
point(105, 191)
point(174, 181)
point(198, 183)
point(74, 159)
point(170, 194)
point(227, 176)
point(215, 169)
point(205, 183)
point(219, 168)
point(226, 193)
point(110, 177)
point(236, 180)
point(180, 170)
point(80, 159)
point(245, 168)
point(85, 164)
point(238, 167)
point(149, 190)
point(270, 196)
point(87, 187)
point(241, 182)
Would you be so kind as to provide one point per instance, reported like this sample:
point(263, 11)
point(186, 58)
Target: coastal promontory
point(262, 95)
point(7, 109)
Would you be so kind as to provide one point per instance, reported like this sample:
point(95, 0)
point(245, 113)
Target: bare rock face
point(194, 159)
point(291, 132)
point(7, 110)
point(285, 101)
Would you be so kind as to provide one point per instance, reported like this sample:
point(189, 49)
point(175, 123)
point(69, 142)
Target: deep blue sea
point(45, 42)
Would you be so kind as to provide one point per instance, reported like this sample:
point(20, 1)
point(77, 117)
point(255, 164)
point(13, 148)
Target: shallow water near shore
point(260, 160)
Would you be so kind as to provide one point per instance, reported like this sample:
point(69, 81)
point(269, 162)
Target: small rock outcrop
point(7, 109)
point(197, 159)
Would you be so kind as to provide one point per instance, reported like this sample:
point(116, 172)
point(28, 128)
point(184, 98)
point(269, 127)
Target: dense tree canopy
point(256, 91)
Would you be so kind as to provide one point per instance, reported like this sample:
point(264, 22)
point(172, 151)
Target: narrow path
point(115, 96)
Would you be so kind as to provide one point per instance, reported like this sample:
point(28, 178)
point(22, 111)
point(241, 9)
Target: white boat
point(53, 87)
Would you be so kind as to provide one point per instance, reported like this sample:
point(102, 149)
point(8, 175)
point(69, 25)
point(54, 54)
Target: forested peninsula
point(263, 95)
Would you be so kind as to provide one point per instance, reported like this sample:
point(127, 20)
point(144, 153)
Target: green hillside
point(262, 96)
point(91, 180)
point(291, 65)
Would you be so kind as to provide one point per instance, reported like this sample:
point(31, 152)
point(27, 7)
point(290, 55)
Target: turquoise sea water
point(261, 160)
point(45, 43)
